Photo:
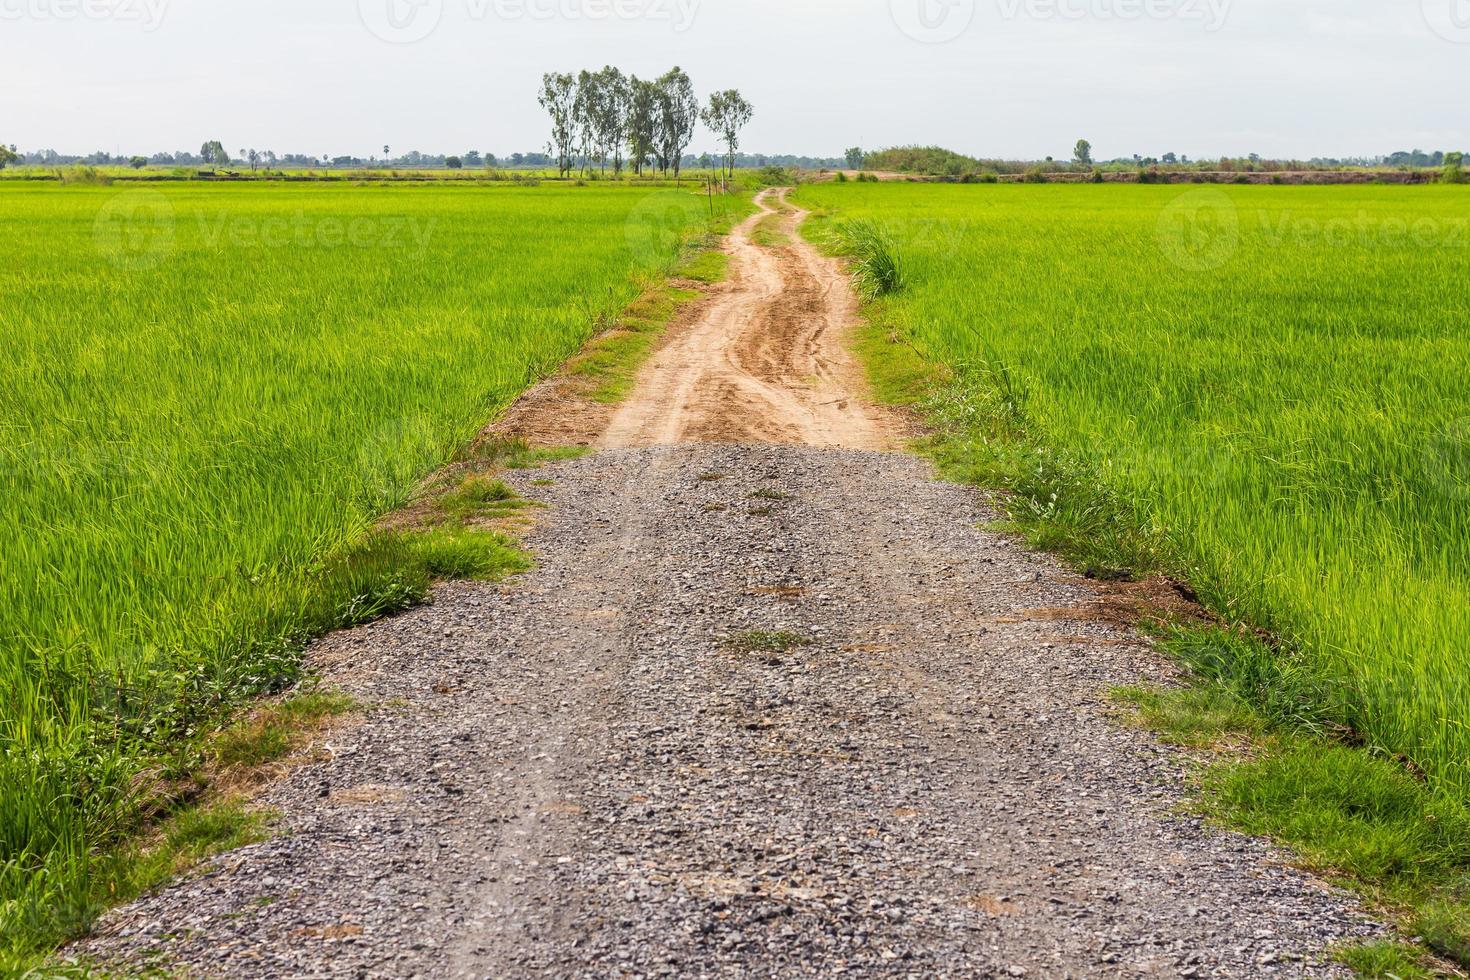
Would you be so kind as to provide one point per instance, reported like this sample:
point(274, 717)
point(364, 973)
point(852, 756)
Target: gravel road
point(577, 773)
point(597, 771)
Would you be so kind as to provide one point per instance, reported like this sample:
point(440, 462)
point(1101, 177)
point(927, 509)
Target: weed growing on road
point(767, 641)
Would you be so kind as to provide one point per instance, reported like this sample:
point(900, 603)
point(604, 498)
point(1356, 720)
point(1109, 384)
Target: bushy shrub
point(1453, 172)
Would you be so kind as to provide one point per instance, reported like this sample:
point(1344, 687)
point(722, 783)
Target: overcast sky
point(994, 78)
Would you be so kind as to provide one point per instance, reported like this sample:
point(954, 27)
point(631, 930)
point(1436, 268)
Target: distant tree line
point(596, 117)
point(413, 160)
point(940, 162)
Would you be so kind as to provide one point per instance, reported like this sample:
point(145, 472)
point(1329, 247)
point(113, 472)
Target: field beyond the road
point(1272, 383)
point(209, 391)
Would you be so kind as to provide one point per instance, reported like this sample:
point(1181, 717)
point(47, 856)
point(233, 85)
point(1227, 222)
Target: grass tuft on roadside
point(1359, 819)
point(271, 732)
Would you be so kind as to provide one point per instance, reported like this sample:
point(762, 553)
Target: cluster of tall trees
point(596, 117)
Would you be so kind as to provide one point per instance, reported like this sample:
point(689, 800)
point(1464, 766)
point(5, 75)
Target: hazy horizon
point(1017, 79)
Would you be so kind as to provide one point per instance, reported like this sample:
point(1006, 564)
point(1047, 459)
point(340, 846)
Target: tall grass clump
point(212, 393)
point(875, 270)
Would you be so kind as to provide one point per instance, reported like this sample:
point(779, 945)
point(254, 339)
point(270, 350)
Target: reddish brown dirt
point(768, 359)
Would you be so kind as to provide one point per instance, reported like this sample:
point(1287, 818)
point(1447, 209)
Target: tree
point(855, 157)
point(138, 163)
point(214, 153)
point(1082, 153)
point(616, 96)
point(586, 109)
point(559, 98)
point(454, 163)
point(1454, 172)
point(7, 156)
point(643, 119)
point(254, 157)
point(727, 115)
point(679, 111)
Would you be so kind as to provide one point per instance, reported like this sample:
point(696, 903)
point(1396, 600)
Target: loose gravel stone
point(577, 773)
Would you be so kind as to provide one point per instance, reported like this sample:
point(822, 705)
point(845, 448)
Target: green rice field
point(208, 393)
point(1273, 382)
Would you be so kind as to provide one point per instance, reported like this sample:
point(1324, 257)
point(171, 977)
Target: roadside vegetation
point(1260, 393)
point(193, 477)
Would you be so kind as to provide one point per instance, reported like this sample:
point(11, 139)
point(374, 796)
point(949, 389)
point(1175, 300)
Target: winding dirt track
point(768, 361)
point(606, 768)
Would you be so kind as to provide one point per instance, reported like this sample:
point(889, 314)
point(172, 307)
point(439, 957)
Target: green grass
point(1387, 961)
point(767, 641)
point(1261, 390)
point(269, 733)
point(768, 233)
point(212, 394)
point(1359, 819)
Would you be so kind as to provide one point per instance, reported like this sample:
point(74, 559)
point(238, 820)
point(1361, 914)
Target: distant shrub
point(775, 177)
point(1453, 172)
point(935, 161)
point(841, 177)
point(1097, 177)
point(82, 175)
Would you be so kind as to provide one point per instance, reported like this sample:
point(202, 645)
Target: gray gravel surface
point(577, 774)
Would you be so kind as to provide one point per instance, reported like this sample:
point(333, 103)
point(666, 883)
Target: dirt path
point(767, 362)
point(586, 772)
